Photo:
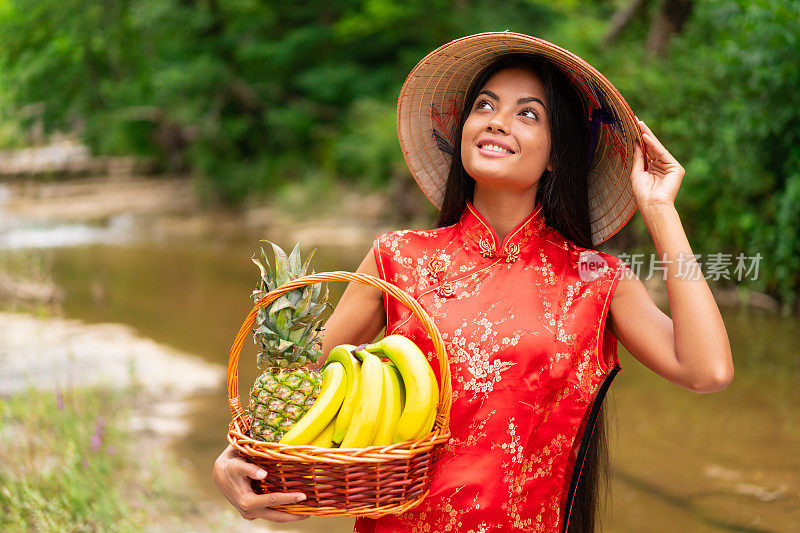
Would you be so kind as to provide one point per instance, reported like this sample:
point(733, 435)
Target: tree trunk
point(667, 22)
point(622, 18)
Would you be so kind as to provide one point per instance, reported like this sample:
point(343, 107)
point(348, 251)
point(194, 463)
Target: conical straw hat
point(434, 92)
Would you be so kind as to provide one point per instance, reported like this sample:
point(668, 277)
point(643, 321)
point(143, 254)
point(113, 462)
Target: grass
point(68, 463)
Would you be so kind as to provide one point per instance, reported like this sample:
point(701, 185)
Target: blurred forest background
point(248, 96)
point(147, 145)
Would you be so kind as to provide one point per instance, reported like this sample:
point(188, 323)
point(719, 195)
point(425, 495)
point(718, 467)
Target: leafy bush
point(725, 103)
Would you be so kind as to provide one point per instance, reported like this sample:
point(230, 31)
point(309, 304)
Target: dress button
point(512, 252)
point(486, 248)
point(436, 269)
point(446, 290)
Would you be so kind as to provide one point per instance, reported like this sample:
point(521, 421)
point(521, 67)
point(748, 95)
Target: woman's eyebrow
point(520, 101)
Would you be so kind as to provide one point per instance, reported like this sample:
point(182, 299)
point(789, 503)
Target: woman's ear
point(549, 166)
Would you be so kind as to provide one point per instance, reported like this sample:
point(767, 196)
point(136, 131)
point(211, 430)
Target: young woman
point(547, 166)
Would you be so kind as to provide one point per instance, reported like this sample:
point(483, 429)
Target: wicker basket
point(370, 482)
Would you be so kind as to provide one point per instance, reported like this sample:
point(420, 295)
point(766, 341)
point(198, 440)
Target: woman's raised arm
point(691, 349)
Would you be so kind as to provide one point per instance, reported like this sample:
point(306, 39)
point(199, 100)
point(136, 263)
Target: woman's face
point(510, 112)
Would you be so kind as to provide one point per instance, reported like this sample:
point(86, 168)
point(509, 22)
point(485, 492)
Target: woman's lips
point(492, 153)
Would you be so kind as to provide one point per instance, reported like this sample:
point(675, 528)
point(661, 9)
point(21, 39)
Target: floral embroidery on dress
point(446, 290)
point(475, 431)
point(477, 357)
point(446, 517)
point(544, 271)
point(436, 266)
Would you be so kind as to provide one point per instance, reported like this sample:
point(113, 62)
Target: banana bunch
point(364, 401)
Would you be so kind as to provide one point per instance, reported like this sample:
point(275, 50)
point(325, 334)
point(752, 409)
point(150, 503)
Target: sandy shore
point(60, 354)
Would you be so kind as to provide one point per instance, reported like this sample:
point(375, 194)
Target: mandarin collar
point(485, 240)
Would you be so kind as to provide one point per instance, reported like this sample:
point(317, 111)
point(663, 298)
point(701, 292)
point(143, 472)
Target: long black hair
point(563, 194)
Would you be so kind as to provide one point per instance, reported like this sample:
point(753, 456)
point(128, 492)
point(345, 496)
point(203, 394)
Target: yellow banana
point(325, 439)
point(392, 406)
point(431, 417)
point(422, 391)
point(331, 394)
point(369, 399)
point(352, 368)
point(394, 369)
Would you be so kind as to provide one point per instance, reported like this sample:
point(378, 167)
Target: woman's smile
point(494, 148)
point(491, 150)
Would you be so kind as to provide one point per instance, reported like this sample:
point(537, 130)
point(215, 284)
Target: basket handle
point(445, 387)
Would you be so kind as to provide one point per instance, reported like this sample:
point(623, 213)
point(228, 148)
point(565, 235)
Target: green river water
point(681, 461)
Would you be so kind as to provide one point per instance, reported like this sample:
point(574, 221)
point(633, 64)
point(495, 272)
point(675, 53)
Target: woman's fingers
point(246, 469)
point(654, 148)
point(665, 171)
point(258, 506)
point(232, 474)
point(255, 501)
point(638, 158)
point(272, 515)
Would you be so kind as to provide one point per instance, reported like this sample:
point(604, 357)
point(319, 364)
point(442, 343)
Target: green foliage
point(725, 103)
point(63, 62)
point(54, 477)
point(367, 148)
point(246, 94)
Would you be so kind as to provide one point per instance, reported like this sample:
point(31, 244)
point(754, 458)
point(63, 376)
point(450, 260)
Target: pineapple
point(287, 334)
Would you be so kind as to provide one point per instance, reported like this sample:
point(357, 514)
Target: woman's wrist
point(657, 210)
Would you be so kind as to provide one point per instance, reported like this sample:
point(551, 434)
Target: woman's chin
point(489, 174)
point(502, 182)
point(496, 171)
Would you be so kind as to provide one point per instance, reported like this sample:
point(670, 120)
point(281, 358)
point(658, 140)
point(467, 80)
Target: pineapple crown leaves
point(286, 269)
point(288, 330)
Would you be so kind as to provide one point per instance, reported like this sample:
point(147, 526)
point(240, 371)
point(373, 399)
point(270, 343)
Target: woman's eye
point(481, 103)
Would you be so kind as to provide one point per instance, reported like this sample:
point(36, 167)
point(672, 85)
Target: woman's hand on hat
point(655, 182)
point(232, 474)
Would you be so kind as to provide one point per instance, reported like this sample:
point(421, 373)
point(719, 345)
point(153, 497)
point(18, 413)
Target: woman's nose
point(498, 122)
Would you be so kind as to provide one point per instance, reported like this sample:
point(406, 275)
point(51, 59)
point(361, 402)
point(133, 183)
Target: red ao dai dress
point(523, 322)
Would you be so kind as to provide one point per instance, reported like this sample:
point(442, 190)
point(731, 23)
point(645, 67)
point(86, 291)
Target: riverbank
point(54, 353)
point(90, 414)
point(172, 208)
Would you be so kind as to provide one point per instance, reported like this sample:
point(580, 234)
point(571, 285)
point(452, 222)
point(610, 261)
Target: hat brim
point(433, 94)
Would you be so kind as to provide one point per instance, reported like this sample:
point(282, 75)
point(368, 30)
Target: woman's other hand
point(656, 182)
point(232, 474)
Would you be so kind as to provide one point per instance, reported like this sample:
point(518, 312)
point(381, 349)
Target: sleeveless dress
point(523, 322)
